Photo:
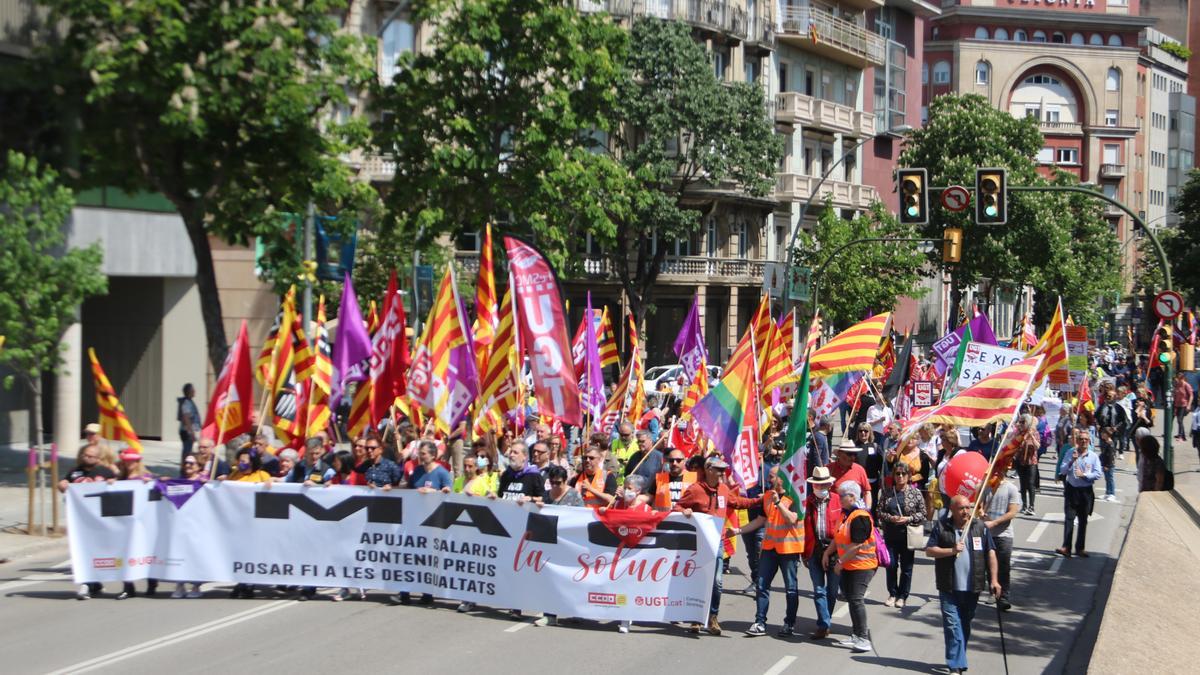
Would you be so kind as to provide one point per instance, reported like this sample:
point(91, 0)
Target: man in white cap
point(847, 469)
point(822, 517)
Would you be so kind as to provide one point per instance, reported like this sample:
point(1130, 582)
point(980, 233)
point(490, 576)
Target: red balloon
point(964, 475)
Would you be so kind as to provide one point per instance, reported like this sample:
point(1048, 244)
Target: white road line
point(517, 627)
point(173, 638)
point(1042, 525)
point(780, 665)
point(1054, 566)
point(64, 564)
point(33, 580)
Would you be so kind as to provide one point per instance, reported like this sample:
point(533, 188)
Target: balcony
point(802, 110)
point(816, 29)
point(1061, 128)
point(713, 15)
point(1112, 171)
point(378, 168)
point(760, 33)
point(674, 267)
point(792, 187)
point(1112, 211)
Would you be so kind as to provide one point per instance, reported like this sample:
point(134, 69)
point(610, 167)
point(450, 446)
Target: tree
point(495, 122)
point(1184, 241)
point(42, 283)
point(1035, 246)
point(679, 131)
point(225, 108)
point(868, 277)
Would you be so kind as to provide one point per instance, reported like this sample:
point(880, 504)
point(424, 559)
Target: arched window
point(1113, 81)
point(1001, 34)
point(983, 73)
point(1020, 36)
point(1045, 98)
point(1039, 36)
point(1095, 39)
point(981, 33)
point(1114, 41)
point(941, 72)
point(1059, 38)
point(1076, 38)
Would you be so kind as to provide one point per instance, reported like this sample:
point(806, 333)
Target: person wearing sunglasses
point(670, 484)
point(900, 505)
point(381, 472)
point(597, 486)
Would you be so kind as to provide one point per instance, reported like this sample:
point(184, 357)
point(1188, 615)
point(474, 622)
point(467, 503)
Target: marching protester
point(380, 471)
point(313, 470)
point(190, 470)
point(249, 468)
point(521, 481)
point(210, 466)
point(87, 469)
point(1026, 460)
point(670, 484)
point(560, 494)
point(901, 508)
point(1080, 470)
point(853, 557)
point(964, 562)
point(1003, 504)
point(847, 469)
point(870, 457)
point(632, 498)
point(429, 476)
point(822, 518)
point(288, 458)
point(782, 543)
point(595, 484)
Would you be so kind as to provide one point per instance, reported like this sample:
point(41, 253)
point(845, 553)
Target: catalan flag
point(637, 381)
point(995, 397)
point(441, 381)
point(114, 425)
point(697, 390)
point(500, 393)
point(321, 381)
point(776, 363)
point(1053, 345)
point(485, 294)
point(728, 415)
point(811, 341)
point(787, 331)
point(277, 347)
point(618, 400)
point(854, 349)
point(360, 410)
point(608, 342)
point(762, 325)
point(1004, 460)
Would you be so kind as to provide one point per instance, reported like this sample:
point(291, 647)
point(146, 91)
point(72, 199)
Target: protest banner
point(554, 559)
point(922, 393)
point(982, 360)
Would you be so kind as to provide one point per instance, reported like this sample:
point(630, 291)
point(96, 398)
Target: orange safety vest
point(865, 558)
point(662, 489)
point(597, 482)
point(779, 536)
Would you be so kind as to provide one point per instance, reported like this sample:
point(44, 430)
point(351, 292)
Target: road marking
point(61, 565)
point(517, 627)
point(174, 638)
point(1054, 566)
point(1042, 525)
point(780, 665)
point(844, 608)
point(33, 580)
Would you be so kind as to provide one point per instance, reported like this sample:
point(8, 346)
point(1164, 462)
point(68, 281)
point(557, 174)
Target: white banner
point(982, 360)
point(562, 560)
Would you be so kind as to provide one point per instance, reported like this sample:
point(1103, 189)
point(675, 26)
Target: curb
point(1187, 507)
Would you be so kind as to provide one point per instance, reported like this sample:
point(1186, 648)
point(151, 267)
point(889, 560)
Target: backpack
point(882, 554)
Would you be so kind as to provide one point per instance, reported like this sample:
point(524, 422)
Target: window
point(1173, 158)
point(784, 84)
point(1076, 38)
point(1001, 34)
point(1053, 113)
point(982, 72)
point(1039, 36)
point(1059, 38)
point(1114, 41)
point(1042, 79)
point(720, 62)
point(710, 238)
point(1020, 36)
point(753, 67)
point(924, 115)
point(1045, 155)
point(924, 73)
point(1110, 118)
point(1068, 155)
point(742, 247)
point(398, 37)
point(941, 72)
point(1096, 39)
point(1033, 110)
point(1186, 158)
point(1113, 81)
point(1112, 153)
point(885, 23)
point(981, 33)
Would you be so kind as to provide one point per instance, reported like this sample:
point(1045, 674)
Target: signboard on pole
point(1077, 355)
point(800, 284)
point(922, 393)
point(774, 279)
point(1168, 305)
point(982, 360)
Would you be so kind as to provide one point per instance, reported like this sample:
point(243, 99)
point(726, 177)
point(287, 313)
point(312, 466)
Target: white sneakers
point(84, 593)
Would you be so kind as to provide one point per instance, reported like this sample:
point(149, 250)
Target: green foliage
point(1184, 248)
point(867, 277)
point(1175, 49)
point(1059, 244)
point(42, 283)
point(493, 123)
point(226, 108)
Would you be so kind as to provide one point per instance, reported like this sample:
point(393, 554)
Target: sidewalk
point(1148, 621)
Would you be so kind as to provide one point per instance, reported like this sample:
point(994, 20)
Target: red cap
point(130, 455)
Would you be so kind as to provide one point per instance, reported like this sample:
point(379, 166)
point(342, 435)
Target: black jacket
point(945, 535)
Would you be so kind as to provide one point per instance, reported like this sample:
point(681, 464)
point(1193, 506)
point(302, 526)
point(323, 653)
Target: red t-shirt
point(856, 473)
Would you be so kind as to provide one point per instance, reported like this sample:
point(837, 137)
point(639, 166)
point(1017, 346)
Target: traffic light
point(991, 189)
point(952, 244)
point(914, 196)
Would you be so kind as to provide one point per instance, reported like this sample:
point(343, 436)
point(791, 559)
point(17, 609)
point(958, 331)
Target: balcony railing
point(817, 28)
point(710, 14)
point(800, 109)
point(1112, 170)
point(378, 167)
point(1049, 127)
point(761, 31)
point(597, 266)
point(793, 187)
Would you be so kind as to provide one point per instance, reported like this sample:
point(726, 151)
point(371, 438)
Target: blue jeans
point(825, 589)
point(753, 542)
point(899, 575)
point(718, 585)
point(1110, 485)
point(769, 563)
point(958, 610)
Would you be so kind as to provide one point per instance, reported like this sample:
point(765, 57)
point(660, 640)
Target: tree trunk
point(35, 446)
point(206, 283)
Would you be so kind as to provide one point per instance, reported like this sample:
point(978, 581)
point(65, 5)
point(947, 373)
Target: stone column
point(68, 397)
point(731, 323)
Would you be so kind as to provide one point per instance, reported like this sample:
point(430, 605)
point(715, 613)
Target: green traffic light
point(991, 211)
point(913, 211)
point(1164, 358)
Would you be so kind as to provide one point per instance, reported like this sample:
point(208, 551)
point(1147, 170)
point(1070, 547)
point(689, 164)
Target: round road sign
point(1168, 305)
point(956, 198)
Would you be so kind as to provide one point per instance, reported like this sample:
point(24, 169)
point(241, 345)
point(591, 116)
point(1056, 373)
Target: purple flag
point(593, 377)
point(352, 344)
point(946, 348)
point(689, 345)
point(177, 490)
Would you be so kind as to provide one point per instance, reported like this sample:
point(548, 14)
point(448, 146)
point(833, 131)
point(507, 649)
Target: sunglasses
point(675, 460)
point(189, 463)
point(556, 482)
point(590, 459)
point(372, 447)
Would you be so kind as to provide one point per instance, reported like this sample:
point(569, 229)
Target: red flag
point(543, 332)
point(630, 525)
point(1085, 396)
point(1154, 346)
point(389, 354)
point(229, 405)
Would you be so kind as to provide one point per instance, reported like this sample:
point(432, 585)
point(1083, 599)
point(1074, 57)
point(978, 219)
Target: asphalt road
point(48, 630)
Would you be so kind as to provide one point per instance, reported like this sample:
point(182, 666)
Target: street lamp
point(898, 131)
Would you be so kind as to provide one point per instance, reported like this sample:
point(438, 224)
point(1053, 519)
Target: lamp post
point(894, 132)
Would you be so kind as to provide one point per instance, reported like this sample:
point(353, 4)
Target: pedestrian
point(1003, 504)
point(871, 457)
point(1080, 471)
point(1108, 461)
point(596, 485)
point(854, 558)
point(900, 507)
point(1181, 401)
point(782, 544)
point(964, 561)
point(1026, 460)
point(188, 416)
point(521, 481)
point(632, 498)
point(670, 484)
point(847, 469)
point(822, 517)
point(1152, 471)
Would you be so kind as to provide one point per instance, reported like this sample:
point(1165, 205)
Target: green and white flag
point(792, 469)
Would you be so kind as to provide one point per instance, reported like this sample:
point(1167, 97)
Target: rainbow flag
point(995, 397)
point(114, 425)
point(729, 413)
point(854, 349)
point(1053, 345)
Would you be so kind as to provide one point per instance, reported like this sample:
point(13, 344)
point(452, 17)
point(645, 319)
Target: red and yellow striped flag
point(277, 348)
point(485, 296)
point(1052, 345)
point(322, 377)
point(853, 350)
point(696, 391)
point(995, 397)
point(606, 340)
point(372, 318)
point(637, 381)
point(114, 425)
point(787, 331)
point(360, 410)
point(776, 363)
point(614, 410)
point(811, 341)
point(500, 392)
point(762, 325)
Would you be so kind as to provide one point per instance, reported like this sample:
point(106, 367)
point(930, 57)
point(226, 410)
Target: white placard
point(982, 360)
